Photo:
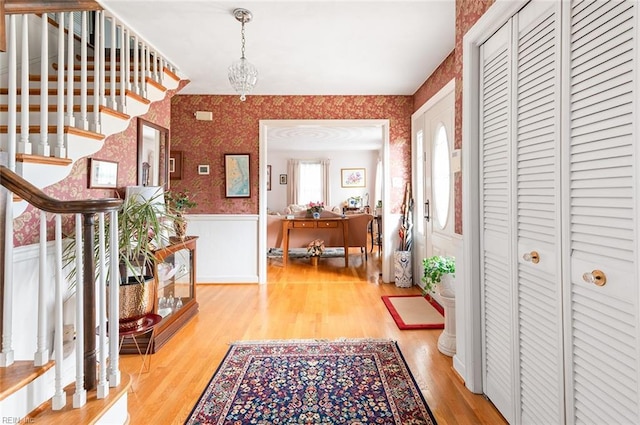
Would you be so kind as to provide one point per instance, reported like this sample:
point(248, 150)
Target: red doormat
point(415, 311)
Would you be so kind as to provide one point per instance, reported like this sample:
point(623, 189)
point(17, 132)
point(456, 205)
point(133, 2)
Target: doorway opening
point(276, 128)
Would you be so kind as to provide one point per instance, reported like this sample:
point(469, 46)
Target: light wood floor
point(299, 302)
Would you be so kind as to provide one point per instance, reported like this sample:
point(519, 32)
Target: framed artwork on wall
point(102, 174)
point(203, 169)
point(352, 177)
point(236, 175)
point(268, 177)
point(175, 165)
point(283, 179)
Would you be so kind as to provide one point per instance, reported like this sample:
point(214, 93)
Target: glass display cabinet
point(175, 293)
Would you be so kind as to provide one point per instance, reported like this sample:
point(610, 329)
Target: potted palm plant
point(143, 227)
point(437, 271)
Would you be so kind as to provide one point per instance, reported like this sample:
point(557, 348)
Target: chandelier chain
point(242, 38)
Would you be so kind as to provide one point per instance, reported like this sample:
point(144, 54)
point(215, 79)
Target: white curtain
point(326, 182)
point(377, 195)
point(293, 170)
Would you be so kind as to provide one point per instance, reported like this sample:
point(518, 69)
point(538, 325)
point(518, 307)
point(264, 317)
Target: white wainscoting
point(227, 248)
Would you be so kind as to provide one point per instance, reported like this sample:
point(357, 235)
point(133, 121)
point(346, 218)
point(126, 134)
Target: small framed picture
point(236, 175)
point(268, 177)
point(102, 174)
point(175, 165)
point(352, 177)
point(283, 179)
point(203, 169)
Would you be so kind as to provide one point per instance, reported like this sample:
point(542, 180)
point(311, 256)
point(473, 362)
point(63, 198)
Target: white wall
point(277, 196)
point(227, 248)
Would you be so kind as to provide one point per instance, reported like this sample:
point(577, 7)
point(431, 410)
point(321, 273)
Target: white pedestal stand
point(447, 340)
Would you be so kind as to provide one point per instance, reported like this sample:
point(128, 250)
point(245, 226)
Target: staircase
point(68, 80)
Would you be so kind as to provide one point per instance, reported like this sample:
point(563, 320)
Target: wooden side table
point(314, 223)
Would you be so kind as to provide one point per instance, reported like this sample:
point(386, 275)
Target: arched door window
point(441, 169)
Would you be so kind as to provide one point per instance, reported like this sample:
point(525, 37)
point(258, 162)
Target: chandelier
point(243, 76)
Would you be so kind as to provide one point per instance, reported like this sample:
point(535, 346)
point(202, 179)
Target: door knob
point(597, 277)
point(532, 256)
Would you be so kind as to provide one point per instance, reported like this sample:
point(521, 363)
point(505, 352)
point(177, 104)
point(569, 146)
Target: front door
point(434, 223)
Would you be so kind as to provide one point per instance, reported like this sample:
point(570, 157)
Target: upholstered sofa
point(358, 232)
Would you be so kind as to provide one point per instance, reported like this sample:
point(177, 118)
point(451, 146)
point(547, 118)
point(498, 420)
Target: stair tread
point(76, 108)
point(40, 159)
point(88, 414)
point(19, 374)
point(52, 129)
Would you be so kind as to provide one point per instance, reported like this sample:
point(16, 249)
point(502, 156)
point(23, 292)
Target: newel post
point(89, 302)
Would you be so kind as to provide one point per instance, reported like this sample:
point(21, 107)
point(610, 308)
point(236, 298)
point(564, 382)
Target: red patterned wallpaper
point(467, 13)
point(235, 129)
point(444, 73)
point(120, 147)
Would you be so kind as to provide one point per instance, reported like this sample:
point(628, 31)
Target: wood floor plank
point(299, 302)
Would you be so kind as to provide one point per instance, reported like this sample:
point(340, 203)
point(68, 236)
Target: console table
point(314, 223)
point(175, 294)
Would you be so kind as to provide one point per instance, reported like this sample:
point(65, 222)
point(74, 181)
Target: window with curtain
point(310, 187)
point(308, 181)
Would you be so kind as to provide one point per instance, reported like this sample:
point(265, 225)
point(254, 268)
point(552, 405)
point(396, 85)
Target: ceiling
point(325, 137)
point(311, 47)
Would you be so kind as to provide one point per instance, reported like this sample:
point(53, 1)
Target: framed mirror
point(153, 154)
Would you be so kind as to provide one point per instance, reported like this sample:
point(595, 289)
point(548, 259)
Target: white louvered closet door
point(495, 187)
point(536, 175)
point(602, 228)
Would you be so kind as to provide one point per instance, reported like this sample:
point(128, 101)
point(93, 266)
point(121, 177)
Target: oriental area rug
point(302, 253)
point(351, 382)
point(414, 311)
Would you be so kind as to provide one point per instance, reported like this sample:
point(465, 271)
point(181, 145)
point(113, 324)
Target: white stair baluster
point(84, 122)
point(147, 67)
point(136, 65)
point(61, 150)
point(114, 303)
point(43, 146)
point(69, 118)
point(96, 74)
point(101, 52)
point(126, 60)
point(112, 66)
point(80, 395)
point(161, 73)
point(42, 353)
point(60, 398)
point(7, 354)
point(123, 72)
point(155, 66)
point(103, 385)
point(25, 145)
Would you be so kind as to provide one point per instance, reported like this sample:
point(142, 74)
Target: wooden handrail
point(41, 200)
point(41, 6)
